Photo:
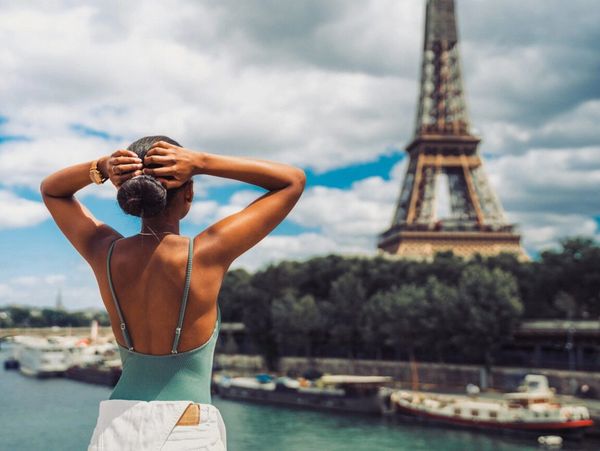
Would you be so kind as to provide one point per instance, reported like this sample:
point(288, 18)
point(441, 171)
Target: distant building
point(59, 301)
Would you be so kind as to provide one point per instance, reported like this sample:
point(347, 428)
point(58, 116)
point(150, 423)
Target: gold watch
point(96, 175)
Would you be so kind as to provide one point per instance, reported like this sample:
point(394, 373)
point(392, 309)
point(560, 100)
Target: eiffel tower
point(446, 202)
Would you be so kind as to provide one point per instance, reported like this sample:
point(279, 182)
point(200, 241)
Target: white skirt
point(152, 425)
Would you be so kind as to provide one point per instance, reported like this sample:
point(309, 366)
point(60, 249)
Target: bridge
point(52, 331)
point(231, 337)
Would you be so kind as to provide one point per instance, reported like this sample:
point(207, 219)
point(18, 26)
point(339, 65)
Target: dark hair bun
point(142, 196)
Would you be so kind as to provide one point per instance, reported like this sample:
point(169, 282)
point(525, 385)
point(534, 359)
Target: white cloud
point(145, 82)
point(26, 163)
point(29, 281)
point(275, 248)
point(347, 221)
point(316, 84)
point(5, 290)
point(543, 230)
point(355, 215)
point(203, 211)
point(78, 290)
point(20, 212)
point(549, 180)
point(579, 124)
point(206, 212)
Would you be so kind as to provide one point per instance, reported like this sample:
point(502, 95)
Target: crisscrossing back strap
point(186, 291)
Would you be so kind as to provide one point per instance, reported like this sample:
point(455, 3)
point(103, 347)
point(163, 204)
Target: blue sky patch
point(10, 138)
point(344, 177)
point(84, 130)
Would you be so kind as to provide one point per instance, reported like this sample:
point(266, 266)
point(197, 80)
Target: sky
point(330, 87)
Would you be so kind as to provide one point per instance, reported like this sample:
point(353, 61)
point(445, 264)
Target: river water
point(60, 414)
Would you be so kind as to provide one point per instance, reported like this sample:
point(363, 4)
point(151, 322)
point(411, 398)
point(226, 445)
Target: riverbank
point(443, 378)
point(427, 375)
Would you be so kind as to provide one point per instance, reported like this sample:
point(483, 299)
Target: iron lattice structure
point(444, 158)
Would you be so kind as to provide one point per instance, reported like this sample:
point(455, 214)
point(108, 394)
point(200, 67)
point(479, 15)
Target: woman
point(159, 288)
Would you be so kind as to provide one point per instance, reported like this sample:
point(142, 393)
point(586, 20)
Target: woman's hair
point(144, 195)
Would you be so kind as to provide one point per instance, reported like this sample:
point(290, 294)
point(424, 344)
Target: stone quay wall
point(430, 376)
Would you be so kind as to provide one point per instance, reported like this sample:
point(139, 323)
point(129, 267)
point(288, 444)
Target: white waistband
point(111, 407)
point(142, 425)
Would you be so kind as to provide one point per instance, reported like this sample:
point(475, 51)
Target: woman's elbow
point(43, 188)
point(46, 189)
point(299, 178)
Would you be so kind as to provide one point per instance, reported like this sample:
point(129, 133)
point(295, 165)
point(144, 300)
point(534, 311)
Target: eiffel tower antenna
point(444, 164)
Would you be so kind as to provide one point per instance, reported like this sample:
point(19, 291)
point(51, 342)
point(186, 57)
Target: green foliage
point(15, 316)
point(259, 325)
point(232, 297)
point(489, 309)
point(445, 309)
point(574, 270)
point(296, 321)
point(401, 313)
point(440, 319)
point(346, 300)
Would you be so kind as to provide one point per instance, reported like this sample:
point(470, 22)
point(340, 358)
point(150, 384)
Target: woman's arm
point(237, 233)
point(76, 222)
point(266, 174)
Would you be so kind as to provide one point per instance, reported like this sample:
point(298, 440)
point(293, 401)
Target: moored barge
point(342, 393)
point(535, 409)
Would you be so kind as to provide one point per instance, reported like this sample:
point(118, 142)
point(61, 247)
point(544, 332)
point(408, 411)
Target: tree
point(20, 316)
point(53, 317)
point(438, 319)
point(317, 274)
point(256, 317)
point(263, 288)
point(445, 266)
point(296, 322)
point(574, 270)
point(346, 300)
point(487, 311)
point(371, 327)
point(403, 312)
point(232, 295)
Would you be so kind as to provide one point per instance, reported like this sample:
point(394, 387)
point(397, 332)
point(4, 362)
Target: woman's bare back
point(149, 274)
point(149, 277)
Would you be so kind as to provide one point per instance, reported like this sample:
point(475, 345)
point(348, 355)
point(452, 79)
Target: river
point(60, 414)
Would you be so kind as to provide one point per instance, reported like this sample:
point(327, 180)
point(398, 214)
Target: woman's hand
point(170, 164)
point(121, 166)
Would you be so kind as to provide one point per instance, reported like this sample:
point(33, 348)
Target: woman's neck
point(160, 227)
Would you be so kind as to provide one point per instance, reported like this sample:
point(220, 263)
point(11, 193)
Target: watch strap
point(95, 175)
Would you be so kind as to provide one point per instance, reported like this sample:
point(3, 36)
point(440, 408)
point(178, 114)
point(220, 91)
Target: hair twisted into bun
point(144, 195)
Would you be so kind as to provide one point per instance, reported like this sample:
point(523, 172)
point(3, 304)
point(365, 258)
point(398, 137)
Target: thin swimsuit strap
point(186, 291)
point(184, 299)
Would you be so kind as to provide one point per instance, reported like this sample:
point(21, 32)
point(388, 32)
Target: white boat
point(533, 409)
point(52, 356)
point(85, 353)
point(44, 356)
point(16, 343)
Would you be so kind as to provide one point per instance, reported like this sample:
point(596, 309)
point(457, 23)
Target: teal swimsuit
point(179, 376)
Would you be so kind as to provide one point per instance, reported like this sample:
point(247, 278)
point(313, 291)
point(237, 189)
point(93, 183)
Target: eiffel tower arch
point(446, 202)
